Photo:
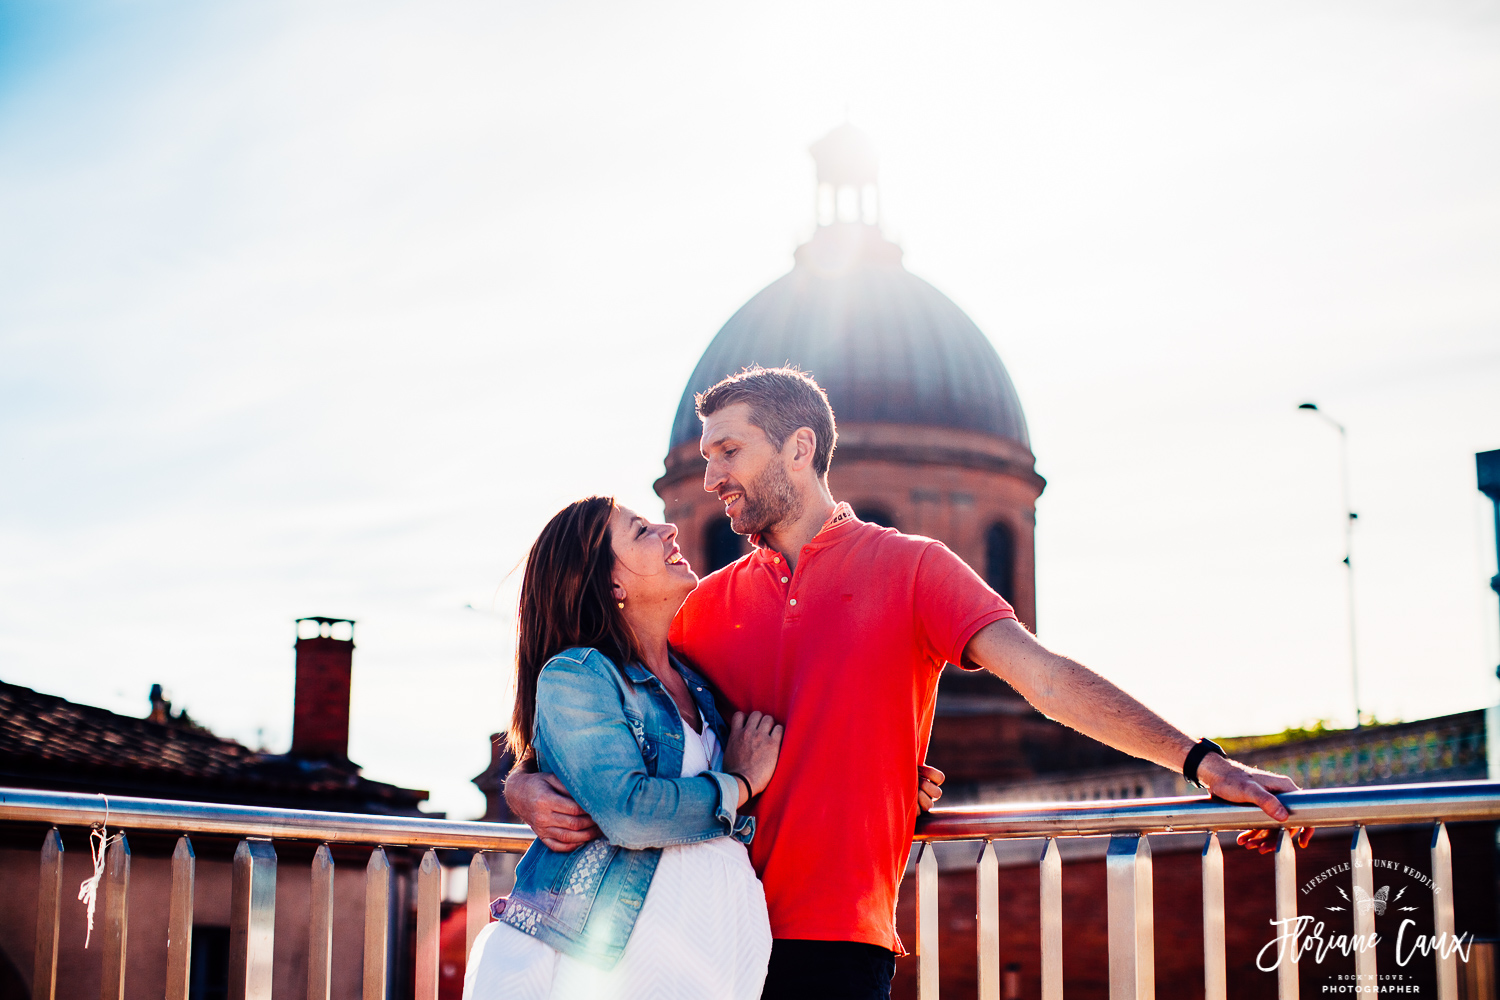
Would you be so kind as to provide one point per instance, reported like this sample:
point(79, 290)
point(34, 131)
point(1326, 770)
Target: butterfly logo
point(1364, 902)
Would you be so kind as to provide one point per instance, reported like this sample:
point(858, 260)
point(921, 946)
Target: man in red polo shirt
point(840, 629)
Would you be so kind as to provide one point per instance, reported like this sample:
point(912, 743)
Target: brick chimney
point(325, 661)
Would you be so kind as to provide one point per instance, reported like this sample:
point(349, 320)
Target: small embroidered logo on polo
point(521, 917)
point(589, 864)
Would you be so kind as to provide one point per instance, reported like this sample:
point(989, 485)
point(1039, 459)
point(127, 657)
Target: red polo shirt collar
point(836, 525)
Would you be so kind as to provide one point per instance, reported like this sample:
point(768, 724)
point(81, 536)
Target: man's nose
point(712, 478)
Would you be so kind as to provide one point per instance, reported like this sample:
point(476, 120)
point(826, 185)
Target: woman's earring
point(622, 604)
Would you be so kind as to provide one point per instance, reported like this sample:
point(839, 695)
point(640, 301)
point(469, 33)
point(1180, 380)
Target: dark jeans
point(828, 970)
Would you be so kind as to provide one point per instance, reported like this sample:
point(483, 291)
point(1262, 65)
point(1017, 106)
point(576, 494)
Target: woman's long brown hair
point(565, 602)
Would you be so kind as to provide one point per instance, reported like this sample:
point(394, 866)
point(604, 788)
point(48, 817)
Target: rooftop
point(50, 742)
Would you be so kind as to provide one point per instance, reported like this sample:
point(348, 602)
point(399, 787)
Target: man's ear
point(804, 443)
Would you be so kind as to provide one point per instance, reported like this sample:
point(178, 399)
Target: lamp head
point(1307, 406)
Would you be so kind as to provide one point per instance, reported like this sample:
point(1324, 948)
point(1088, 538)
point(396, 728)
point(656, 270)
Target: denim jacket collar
point(638, 673)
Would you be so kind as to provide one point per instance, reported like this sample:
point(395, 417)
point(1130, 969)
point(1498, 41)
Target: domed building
point(932, 438)
point(932, 441)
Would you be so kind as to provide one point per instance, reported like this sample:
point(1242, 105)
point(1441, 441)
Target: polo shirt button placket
point(786, 579)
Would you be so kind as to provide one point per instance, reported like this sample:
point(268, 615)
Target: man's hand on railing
point(542, 803)
point(1235, 782)
point(929, 786)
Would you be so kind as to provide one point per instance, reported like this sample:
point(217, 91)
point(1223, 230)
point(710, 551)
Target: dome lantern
point(848, 184)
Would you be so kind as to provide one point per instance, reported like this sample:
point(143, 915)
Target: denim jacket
point(613, 736)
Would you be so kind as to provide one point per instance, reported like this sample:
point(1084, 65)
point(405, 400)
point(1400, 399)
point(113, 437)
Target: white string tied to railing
point(88, 890)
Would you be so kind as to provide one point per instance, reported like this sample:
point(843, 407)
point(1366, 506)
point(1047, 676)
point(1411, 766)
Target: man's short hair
point(782, 400)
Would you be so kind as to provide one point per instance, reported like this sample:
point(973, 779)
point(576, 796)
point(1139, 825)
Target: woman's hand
point(754, 744)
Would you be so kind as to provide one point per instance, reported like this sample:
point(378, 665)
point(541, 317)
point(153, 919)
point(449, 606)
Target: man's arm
point(542, 803)
point(1074, 695)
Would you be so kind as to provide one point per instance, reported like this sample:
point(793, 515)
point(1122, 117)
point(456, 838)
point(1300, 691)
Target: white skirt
point(702, 934)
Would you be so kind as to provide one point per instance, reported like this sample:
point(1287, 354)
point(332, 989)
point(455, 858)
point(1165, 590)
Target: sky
point(325, 309)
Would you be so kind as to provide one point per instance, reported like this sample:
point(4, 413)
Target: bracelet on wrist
point(749, 788)
point(1195, 756)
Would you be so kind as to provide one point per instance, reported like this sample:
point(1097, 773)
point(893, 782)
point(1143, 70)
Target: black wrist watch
point(1195, 756)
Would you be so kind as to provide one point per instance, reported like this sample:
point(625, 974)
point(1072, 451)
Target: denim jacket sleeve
point(583, 736)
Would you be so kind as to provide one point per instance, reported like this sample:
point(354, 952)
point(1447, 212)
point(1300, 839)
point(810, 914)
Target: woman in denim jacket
point(665, 904)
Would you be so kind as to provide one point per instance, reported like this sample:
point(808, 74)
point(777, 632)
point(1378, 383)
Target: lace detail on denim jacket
point(516, 914)
point(590, 863)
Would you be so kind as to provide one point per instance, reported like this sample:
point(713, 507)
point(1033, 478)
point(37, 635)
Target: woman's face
point(649, 567)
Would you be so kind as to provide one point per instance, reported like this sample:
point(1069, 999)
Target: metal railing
point(253, 896)
point(1129, 824)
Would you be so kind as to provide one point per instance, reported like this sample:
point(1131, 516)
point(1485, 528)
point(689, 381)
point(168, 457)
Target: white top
point(700, 751)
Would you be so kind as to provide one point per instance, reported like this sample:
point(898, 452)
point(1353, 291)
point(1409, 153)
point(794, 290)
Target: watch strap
point(1195, 756)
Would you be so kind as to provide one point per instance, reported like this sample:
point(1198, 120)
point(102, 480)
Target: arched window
point(721, 544)
point(1000, 559)
point(875, 515)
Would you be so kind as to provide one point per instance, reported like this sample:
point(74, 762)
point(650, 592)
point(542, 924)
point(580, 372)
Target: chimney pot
point(161, 708)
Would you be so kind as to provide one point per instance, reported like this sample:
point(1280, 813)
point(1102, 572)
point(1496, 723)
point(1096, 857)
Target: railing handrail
point(170, 816)
point(1455, 801)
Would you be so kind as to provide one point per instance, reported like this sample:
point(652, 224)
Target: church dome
point(932, 437)
point(887, 346)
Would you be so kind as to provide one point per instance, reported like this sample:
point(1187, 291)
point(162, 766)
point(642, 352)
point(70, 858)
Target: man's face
point(747, 472)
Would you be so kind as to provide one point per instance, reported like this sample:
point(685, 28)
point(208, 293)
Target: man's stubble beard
point(769, 500)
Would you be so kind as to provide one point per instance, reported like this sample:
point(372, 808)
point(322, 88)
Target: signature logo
point(1306, 936)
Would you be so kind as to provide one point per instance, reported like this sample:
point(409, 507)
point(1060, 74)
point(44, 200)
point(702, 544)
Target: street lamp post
point(1488, 463)
point(1348, 549)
